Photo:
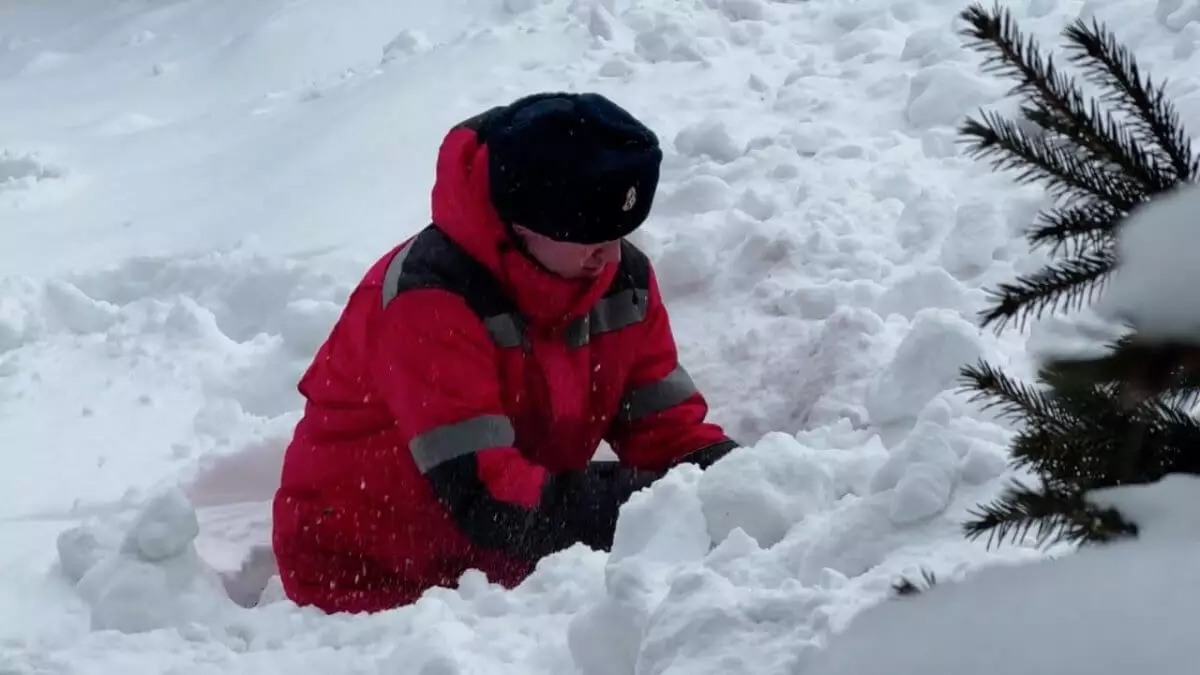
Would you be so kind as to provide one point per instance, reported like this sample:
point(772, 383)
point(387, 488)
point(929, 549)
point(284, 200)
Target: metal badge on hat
point(630, 199)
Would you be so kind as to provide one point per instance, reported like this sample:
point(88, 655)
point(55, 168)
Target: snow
point(1118, 609)
point(1153, 287)
point(189, 189)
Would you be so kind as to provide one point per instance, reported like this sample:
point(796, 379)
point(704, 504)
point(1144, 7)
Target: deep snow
point(188, 190)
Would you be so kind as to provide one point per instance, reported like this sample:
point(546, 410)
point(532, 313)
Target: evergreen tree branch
point(907, 587)
point(1069, 283)
point(1056, 104)
point(1142, 369)
point(1080, 446)
point(1013, 399)
point(1074, 230)
point(1097, 51)
point(1097, 422)
point(1105, 142)
point(1041, 160)
point(1053, 514)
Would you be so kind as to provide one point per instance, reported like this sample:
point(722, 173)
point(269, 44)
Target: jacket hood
point(462, 208)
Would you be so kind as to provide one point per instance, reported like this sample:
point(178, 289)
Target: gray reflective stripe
point(655, 397)
point(506, 329)
point(448, 442)
point(611, 313)
point(391, 276)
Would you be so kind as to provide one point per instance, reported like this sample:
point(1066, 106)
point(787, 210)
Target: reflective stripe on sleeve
point(442, 444)
point(611, 313)
point(657, 396)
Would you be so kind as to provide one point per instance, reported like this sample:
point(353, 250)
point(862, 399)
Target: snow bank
point(1110, 610)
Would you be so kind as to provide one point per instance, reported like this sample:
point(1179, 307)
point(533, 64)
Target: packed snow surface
point(189, 189)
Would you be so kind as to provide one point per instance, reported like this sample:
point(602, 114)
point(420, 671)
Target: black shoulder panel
point(432, 260)
point(634, 274)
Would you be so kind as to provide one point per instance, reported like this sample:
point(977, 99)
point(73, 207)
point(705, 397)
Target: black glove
point(591, 499)
point(709, 454)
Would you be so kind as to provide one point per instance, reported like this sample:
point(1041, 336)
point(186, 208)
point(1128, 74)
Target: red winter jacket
point(453, 411)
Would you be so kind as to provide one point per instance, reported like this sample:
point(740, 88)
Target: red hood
point(462, 209)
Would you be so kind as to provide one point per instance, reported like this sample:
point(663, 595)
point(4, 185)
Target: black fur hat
point(572, 167)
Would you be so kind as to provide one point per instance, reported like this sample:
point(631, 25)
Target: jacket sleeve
point(435, 366)
point(661, 420)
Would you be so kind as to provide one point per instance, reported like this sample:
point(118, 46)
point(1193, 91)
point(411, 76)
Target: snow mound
point(764, 491)
point(926, 363)
point(154, 579)
point(1107, 610)
point(750, 564)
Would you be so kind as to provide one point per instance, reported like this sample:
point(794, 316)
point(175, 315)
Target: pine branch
point(1140, 368)
point(1183, 391)
point(1042, 160)
point(907, 587)
point(1053, 514)
point(1097, 51)
point(1015, 400)
point(1104, 141)
point(1074, 230)
point(1008, 54)
point(1100, 440)
point(1172, 442)
point(1055, 103)
point(1106, 442)
point(1080, 446)
point(1069, 283)
point(1091, 422)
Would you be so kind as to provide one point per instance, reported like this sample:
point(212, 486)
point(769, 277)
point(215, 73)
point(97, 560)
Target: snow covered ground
point(189, 188)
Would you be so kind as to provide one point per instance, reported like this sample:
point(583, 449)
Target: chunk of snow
point(408, 41)
point(925, 447)
point(18, 170)
point(1155, 281)
point(743, 10)
point(941, 94)
point(981, 465)
point(666, 41)
point(969, 248)
point(699, 194)
point(711, 139)
point(81, 547)
point(660, 529)
point(921, 288)
point(156, 579)
point(758, 204)
point(928, 46)
point(764, 490)
point(926, 363)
